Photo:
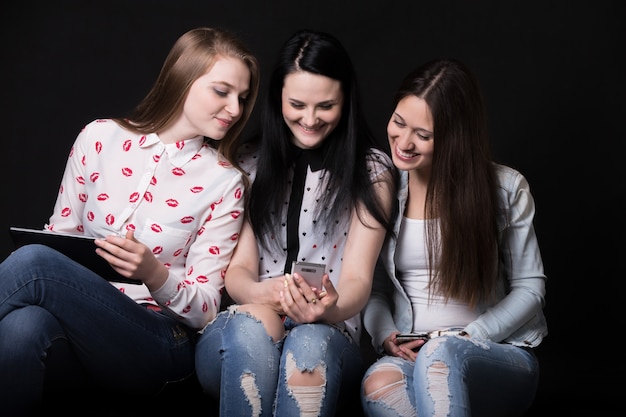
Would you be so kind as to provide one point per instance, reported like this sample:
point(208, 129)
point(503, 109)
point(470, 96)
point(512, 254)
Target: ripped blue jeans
point(239, 363)
point(453, 376)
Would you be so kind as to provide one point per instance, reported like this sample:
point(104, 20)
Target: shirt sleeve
point(68, 209)
point(195, 297)
point(377, 314)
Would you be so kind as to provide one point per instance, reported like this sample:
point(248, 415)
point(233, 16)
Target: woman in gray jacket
point(463, 274)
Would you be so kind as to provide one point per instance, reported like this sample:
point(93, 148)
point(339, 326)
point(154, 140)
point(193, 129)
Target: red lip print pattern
point(119, 180)
point(216, 203)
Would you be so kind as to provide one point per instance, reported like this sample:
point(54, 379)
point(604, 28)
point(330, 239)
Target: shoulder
point(247, 157)
point(212, 157)
point(103, 129)
point(96, 133)
point(509, 179)
point(514, 192)
point(100, 125)
point(378, 161)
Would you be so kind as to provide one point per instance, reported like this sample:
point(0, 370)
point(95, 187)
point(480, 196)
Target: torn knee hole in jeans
point(383, 379)
point(251, 391)
point(437, 374)
point(306, 386)
point(387, 386)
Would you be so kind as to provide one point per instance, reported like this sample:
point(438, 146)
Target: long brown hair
point(462, 190)
point(193, 54)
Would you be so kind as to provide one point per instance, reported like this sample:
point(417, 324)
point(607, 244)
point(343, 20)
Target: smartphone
point(408, 337)
point(311, 272)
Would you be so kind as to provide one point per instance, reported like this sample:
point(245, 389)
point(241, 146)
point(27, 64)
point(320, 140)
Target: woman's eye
point(422, 137)
point(326, 106)
point(220, 92)
point(297, 105)
point(399, 123)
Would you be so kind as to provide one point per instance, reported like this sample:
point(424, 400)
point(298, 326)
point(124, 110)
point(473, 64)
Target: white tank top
point(412, 270)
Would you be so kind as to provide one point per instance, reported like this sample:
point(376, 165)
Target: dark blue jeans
point(49, 303)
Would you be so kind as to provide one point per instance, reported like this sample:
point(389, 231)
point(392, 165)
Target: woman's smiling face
point(410, 134)
point(311, 106)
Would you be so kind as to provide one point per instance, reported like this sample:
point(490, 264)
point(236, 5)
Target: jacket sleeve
point(520, 261)
point(378, 312)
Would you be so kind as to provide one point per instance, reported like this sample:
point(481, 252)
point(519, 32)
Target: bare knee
point(269, 318)
point(381, 381)
point(386, 386)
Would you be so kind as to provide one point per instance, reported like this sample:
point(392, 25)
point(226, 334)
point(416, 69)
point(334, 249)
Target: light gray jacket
point(517, 317)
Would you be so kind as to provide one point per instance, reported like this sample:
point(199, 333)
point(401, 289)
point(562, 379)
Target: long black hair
point(346, 150)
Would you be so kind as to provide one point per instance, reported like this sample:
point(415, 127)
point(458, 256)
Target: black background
point(553, 75)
